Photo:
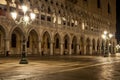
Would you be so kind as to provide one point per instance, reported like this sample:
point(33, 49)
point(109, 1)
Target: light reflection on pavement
point(61, 68)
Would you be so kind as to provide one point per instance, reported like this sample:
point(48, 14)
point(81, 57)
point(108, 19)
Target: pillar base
point(23, 61)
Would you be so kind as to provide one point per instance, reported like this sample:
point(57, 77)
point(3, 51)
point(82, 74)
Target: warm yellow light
point(118, 46)
point(32, 16)
point(103, 36)
point(105, 32)
point(14, 15)
point(26, 18)
point(3, 2)
point(24, 8)
point(110, 35)
point(83, 26)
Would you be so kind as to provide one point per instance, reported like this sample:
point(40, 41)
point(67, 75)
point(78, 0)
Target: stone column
point(7, 47)
point(91, 51)
point(95, 49)
point(99, 49)
point(84, 47)
point(56, 23)
point(51, 48)
point(104, 48)
point(61, 48)
point(39, 48)
point(70, 50)
point(78, 47)
point(114, 49)
point(107, 48)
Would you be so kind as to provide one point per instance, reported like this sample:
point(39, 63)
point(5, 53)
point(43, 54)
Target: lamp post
point(24, 19)
point(106, 36)
point(118, 48)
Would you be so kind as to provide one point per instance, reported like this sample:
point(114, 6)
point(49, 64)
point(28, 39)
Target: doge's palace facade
point(62, 27)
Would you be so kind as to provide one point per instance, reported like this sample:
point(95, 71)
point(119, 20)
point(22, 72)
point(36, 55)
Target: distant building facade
point(62, 27)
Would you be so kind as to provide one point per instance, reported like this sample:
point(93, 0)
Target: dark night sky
point(118, 20)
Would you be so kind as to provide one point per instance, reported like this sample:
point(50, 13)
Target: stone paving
point(41, 68)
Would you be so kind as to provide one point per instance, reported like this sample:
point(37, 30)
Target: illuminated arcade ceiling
point(2, 1)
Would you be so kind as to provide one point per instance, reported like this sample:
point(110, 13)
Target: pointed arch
point(66, 44)
point(16, 29)
point(82, 44)
point(46, 39)
point(74, 45)
point(103, 46)
point(98, 46)
point(66, 41)
point(16, 37)
point(93, 46)
point(57, 41)
point(88, 46)
point(32, 42)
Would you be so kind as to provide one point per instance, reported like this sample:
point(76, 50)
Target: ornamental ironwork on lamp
point(25, 19)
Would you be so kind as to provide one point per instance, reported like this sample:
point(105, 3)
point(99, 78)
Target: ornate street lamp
point(106, 36)
point(118, 48)
point(25, 19)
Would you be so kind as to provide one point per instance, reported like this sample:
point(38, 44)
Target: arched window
point(49, 10)
point(13, 40)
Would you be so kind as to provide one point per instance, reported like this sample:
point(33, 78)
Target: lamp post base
point(23, 61)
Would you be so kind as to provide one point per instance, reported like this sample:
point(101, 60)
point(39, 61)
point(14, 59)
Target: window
point(51, 2)
point(49, 10)
point(13, 40)
point(42, 17)
point(59, 11)
point(98, 4)
point(48, 18)
point(64, 22)
point(109, 9)
point(57, 4)
point(72, 24)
